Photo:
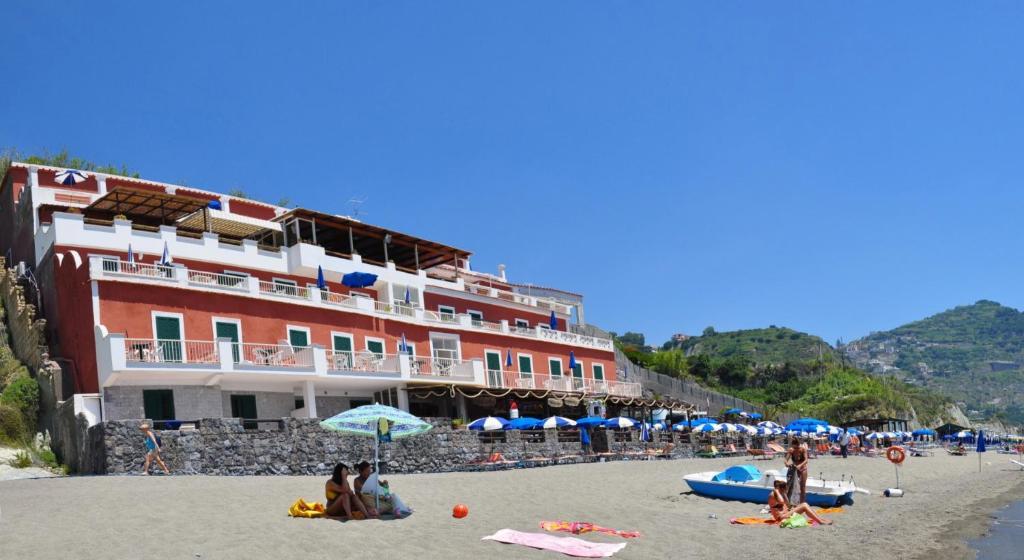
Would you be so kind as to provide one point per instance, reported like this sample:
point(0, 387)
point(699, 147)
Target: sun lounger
point(761, 453)
point(710, 453)
point(776, 448)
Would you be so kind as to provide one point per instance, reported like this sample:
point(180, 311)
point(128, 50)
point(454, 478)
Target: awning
point(226, 223)
point(144, 205)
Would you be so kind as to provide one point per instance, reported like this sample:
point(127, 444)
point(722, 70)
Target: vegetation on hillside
point(61, 159)
point(786, 370)
point(973, 353)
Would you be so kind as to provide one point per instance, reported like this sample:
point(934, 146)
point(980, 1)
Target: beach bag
point(794, 521)
point(159, 442)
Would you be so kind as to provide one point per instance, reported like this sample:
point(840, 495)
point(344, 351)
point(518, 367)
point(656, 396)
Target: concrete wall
point(190, 402)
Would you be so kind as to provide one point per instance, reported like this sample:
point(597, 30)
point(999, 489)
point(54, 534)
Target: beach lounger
point(761, 453)
point(710, 453)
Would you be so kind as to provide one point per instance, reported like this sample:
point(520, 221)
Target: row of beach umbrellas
point(494, 423)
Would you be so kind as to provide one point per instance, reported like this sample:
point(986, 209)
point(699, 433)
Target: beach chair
point(776, 448)
point(708, 453)
point(730, 450)
point(766, 454)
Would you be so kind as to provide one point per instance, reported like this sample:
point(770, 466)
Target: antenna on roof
point(356, 203)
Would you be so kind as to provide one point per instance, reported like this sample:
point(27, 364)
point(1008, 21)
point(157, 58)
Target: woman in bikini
point(780, 509)
point(340, 498)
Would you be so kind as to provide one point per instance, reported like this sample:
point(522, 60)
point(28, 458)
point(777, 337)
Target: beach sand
point(946, 501)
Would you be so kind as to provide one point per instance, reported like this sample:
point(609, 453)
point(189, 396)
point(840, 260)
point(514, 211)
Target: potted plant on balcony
point(458, 424)
point(120, 217)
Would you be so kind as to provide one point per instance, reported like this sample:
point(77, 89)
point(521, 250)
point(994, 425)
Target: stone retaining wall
point(222, 446)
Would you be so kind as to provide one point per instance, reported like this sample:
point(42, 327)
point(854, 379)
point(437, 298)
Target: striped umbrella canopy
point(768, 424)
point(963, 434)
point(557, 422)
point(680, 427)
point(620, 422)
point(488, 424)
point(706, 428)
point(746, 429)
point(590, 421)
point(363, 421)
point(766, 431)
point(726, 427)
point(853, 431)
point(70, 177)
point(834, 430)
point(659, 426)
point(875, 435)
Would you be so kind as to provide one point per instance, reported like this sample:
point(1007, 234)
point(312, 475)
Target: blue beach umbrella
point(768, 424)
point(705, 428)
point(166, 259)
point(320, 282)
point(620, 422)
point(487, 424)
point(733, 411)
point(70, 177)
point(557, 422)
point(981, 447)
point(590, 421)
point(553, 321)
point(756, 415)
point(358, 279)
point(853, 431)
point(524, 423)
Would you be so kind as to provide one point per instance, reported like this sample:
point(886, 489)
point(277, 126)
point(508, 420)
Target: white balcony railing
point(497, 379)
point(370, 362)
point(277, 355)
point(166, 351)
point(114, 269)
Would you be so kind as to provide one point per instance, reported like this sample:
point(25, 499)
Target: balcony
point(110, 269)
point(497, 379)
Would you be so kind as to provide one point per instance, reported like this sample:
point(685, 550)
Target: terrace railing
point(277, 355)
point(370, 362)
point(213, 279)
point(154, 271)
point(284, 290)
point(169, 351)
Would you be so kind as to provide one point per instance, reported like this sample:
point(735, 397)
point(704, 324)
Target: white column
point(403, 398)
point(101, 184)
point(309, 398)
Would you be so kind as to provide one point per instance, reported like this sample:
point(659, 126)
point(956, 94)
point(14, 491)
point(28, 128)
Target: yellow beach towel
point(302, 508)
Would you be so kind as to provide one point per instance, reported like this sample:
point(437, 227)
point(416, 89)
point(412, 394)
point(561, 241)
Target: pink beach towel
point(570, 546)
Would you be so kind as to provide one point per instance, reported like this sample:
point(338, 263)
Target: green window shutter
point(556, 368)
point(598, 372)
point(243, 406)
point(298, 338)
point(493, 361)
point(375, 346)
point(577, 371)
point(342, 344)
point(168, 335)
point(229, 331)
point(525, 364)
point(158, 404)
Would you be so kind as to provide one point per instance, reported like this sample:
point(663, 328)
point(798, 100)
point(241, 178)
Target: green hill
point(773, 345)
point(973, 353)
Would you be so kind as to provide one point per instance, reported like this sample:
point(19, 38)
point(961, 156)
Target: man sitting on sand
point(781, 510)
point(341, 501)
point(372, 491)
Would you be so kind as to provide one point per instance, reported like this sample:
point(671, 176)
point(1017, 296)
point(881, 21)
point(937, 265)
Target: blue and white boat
point(746, 483)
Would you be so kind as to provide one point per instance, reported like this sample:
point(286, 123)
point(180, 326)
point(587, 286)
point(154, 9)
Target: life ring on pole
point(896, 455)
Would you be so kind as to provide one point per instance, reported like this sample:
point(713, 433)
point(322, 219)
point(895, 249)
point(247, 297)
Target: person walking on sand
point(797, 458)
point(844, 443)
point(152, 449)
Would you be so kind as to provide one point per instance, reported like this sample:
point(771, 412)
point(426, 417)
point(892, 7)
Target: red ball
point(460, 511)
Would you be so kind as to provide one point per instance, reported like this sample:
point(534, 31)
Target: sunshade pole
point(376, 467)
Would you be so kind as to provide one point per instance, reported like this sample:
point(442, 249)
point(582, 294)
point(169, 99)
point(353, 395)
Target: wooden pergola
point(144, 206)
point(345, 237)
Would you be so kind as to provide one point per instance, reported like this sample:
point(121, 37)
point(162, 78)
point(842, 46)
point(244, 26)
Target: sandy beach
point(946, 501)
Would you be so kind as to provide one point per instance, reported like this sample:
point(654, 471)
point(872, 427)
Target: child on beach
point(781, 509)
point(152, 449)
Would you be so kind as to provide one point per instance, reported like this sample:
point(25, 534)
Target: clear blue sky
point(682, 164)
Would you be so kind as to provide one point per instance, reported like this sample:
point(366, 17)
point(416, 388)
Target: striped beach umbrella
point(726, 427)
point(768, 424)
point(70, 177)
point(166, 259)
point(619, 422)
point(488, 424)
point(744, 428)
point(557, 422)
point(706, 428)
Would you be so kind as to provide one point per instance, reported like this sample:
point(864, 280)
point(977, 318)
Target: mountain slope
point(973, 353)
point(772, 345)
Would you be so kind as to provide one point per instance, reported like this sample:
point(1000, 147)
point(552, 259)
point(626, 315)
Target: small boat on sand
point(746, 483)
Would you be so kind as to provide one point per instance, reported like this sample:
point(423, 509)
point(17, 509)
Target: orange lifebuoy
point(895, 454)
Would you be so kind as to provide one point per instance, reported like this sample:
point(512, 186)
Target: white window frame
point(356, 293)
point(383, 344)
point(593, 372)
point(398, 347)
point(518, 326)
point(561, 366)
point(458, 343)
point(181, 324)
point(441, 310)
point(238, 273)
point(179, 316)
point(544, 326)
point(501, 358)
point(213, 324)
point(521, 355)
point(288, 334)
point(348, 335)
point(284, 282)
point(470, 312)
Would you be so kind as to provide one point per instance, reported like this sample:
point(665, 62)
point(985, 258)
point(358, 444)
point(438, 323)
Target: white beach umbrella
point(705, 428)
point(768, 424)
point(487, 424)
point(619, 422)
point(834, 430)
point(557, 422)
point(70, 177)
point(746, 429)
point(726, 427)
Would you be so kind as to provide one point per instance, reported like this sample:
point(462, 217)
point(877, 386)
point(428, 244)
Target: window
point(376, 346)
point(244, 406)
point(493, 360)
point(298, 337)
point(598, 372)
point(444, 346)
point(387, 398)
point(286, 287)
point(577, 371)
point(477, 317)
point(232, 279)
point(342, 345)
point(168, 335)
point(555, 367)
point(522, 324)
point(544, 326)
point(525, 365)
point(354, 293)
point(300, 403)
point(447, 312)
point(232, 330)
point(398, 295)
point(158, 404)
point(111, 264)
point(411, 348)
